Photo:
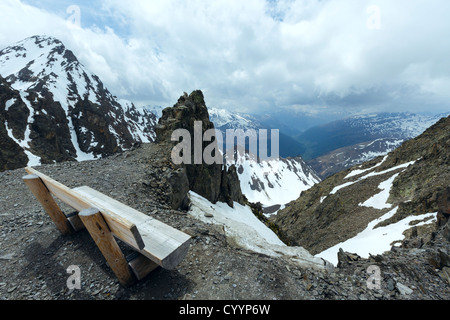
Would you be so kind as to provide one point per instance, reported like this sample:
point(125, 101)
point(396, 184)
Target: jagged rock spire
point(215, 182)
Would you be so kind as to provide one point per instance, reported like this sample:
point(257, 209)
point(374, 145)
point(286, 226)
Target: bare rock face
point(11, 155)
point(214, 181)
point(52, 109)
point(333, 211)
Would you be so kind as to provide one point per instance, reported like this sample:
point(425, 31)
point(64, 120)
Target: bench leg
point(41, 192)
point(75, 221)
point(141, 265)
point(99, 231)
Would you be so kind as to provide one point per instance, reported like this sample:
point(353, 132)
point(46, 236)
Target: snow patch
point(247, 231)
point(371, 174)
point(9, 103)
point(279, 181)
point(357, 172)
point(337, 188)
point(379, 201)
point(376, 240)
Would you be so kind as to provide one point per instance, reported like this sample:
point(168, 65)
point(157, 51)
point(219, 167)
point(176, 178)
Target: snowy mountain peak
point(224, 119)
point(43, 64)
point(71, 115)
point(274, 183)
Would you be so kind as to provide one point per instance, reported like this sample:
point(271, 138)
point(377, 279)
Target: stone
point(179, 183)
point(8, 256)
point(445, 274)
point(390, 284)
point(404, 290)
point(446, 231)
point(439, 259)
point(445, 258)
point(346, 257)
point(214, 182)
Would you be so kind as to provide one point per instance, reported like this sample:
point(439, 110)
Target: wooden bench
point(156, 243)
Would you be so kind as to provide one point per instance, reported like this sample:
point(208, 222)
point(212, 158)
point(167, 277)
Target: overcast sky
point(255, 55)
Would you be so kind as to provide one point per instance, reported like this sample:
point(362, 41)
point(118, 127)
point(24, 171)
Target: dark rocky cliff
point(213, 181)
point(53, 109)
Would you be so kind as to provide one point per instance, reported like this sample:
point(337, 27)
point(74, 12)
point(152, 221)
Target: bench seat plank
point(163, 244)
point(158, 241)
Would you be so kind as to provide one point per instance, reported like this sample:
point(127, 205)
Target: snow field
point(248, 231)
point(376, 240)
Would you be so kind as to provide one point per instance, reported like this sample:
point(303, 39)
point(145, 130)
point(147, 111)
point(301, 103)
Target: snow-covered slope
point(389, 201)
point(345, 143)
point(375, 239)
point(48, 77)
point(274, 183)
point(240, 224)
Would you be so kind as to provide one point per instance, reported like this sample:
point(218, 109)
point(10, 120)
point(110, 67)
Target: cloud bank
point(255, 55)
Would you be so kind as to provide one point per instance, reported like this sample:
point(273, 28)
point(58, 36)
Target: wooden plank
point(99, 231)
point(40, 191)
point(141, 265)
point(120, 227)
point(163, 244)
point(60, 191)
point(75, 221)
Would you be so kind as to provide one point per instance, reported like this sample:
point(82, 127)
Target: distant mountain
point(335, 146)
point(371, 207)
point(347, 157)
point(272, 182)
point(53, 109)
point(224, 119)
point(156, 110)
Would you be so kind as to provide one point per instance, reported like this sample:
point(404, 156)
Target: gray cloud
point(258, 55)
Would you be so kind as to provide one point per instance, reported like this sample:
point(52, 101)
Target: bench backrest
point(120, 227)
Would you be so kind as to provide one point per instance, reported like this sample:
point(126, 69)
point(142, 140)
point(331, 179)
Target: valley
point(343, 195)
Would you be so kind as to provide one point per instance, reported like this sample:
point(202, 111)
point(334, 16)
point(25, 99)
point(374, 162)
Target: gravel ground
point(34, 256)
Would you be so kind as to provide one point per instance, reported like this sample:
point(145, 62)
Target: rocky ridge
point(213, 181)
point(34, 256)
point(53, 109)
point(410, 181)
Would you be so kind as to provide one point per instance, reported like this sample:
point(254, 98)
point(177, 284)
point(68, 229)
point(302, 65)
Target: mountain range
point(373, 190)
point(371, 207)
point(332, 146)
point(53, 109)
point(341, 144)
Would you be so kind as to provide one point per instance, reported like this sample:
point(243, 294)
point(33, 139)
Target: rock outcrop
point(214, 181)
point(12, 156)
